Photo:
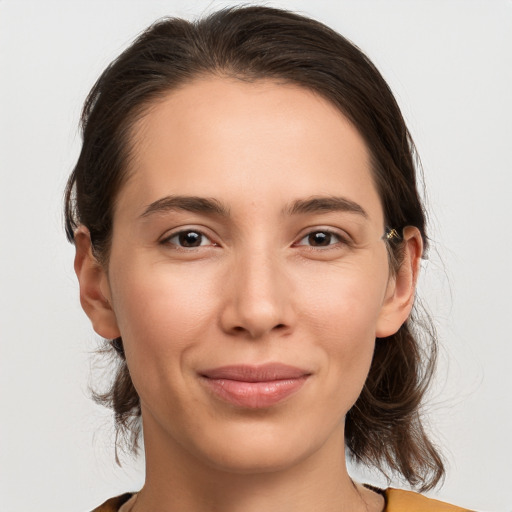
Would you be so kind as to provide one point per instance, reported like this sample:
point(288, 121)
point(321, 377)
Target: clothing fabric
point(396, 501)
point(408, 501)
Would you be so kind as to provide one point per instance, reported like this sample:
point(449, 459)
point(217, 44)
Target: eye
point(321, 238)
point(189, 238)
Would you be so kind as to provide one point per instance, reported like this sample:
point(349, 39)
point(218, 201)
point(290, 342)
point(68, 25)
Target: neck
point(179, 481)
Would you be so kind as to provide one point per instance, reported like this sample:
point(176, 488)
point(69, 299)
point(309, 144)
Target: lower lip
point(254, 395)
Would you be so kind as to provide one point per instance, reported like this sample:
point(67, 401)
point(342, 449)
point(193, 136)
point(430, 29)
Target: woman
point(248, 237)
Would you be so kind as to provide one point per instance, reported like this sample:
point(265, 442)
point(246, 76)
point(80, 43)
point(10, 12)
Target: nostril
point(241, 329)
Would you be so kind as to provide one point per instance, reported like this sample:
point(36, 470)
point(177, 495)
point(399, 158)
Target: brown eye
point(188, 239)
point(320, 239)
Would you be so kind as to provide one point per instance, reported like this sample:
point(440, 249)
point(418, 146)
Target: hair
point(384, 428)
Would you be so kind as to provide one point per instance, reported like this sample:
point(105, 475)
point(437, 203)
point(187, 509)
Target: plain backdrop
point(450, 66)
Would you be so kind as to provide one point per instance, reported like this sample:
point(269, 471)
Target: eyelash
point(167, 240)
point(341, 240)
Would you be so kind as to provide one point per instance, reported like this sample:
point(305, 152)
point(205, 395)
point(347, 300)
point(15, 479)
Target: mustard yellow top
point(396, 501)
point(407, 501)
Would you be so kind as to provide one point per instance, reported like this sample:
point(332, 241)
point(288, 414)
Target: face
point(248, 277)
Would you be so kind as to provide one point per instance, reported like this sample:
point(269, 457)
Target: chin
point(256, 459)
point(250, 448)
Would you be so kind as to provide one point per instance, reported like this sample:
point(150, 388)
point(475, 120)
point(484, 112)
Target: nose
point(258, 297)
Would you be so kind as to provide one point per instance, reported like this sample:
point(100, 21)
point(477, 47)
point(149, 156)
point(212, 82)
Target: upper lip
point(260, 373)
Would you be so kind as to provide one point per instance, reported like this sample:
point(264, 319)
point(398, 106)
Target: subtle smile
point(254, 387)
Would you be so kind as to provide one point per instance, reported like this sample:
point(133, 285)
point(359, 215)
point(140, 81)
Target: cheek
point(162, 315)
point(345, 299)
point(155, 296)
point(166, 313)
point(341, 316)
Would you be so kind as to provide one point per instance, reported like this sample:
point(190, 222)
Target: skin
point(257, 289)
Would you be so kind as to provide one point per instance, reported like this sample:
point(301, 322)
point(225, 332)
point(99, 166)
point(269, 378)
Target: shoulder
point(404, 501)
point(114, 504)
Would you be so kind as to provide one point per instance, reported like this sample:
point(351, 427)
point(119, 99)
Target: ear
point(94, 287)
point(401, 287)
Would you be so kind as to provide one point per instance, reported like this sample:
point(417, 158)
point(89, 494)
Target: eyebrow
point(325, 204)
point(186, 203)
point(315, 204)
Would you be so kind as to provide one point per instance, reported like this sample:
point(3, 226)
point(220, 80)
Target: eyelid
point(343, 237)
point(164, 239)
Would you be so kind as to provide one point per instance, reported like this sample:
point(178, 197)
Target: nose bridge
point(260, 298)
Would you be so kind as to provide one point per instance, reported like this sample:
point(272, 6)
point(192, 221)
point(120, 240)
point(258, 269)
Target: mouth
point(254, 387)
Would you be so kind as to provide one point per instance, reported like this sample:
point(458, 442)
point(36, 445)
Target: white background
point(450, 66)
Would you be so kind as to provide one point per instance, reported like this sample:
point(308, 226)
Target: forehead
point(237, 141)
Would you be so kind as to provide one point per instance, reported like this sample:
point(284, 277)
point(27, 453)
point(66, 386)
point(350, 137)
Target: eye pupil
point(319, 238)
point(190, 239)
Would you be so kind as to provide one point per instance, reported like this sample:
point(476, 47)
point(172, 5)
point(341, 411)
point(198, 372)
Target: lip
point(254, 387)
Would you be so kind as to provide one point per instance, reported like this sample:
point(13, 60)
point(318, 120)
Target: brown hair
point(383, 428)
